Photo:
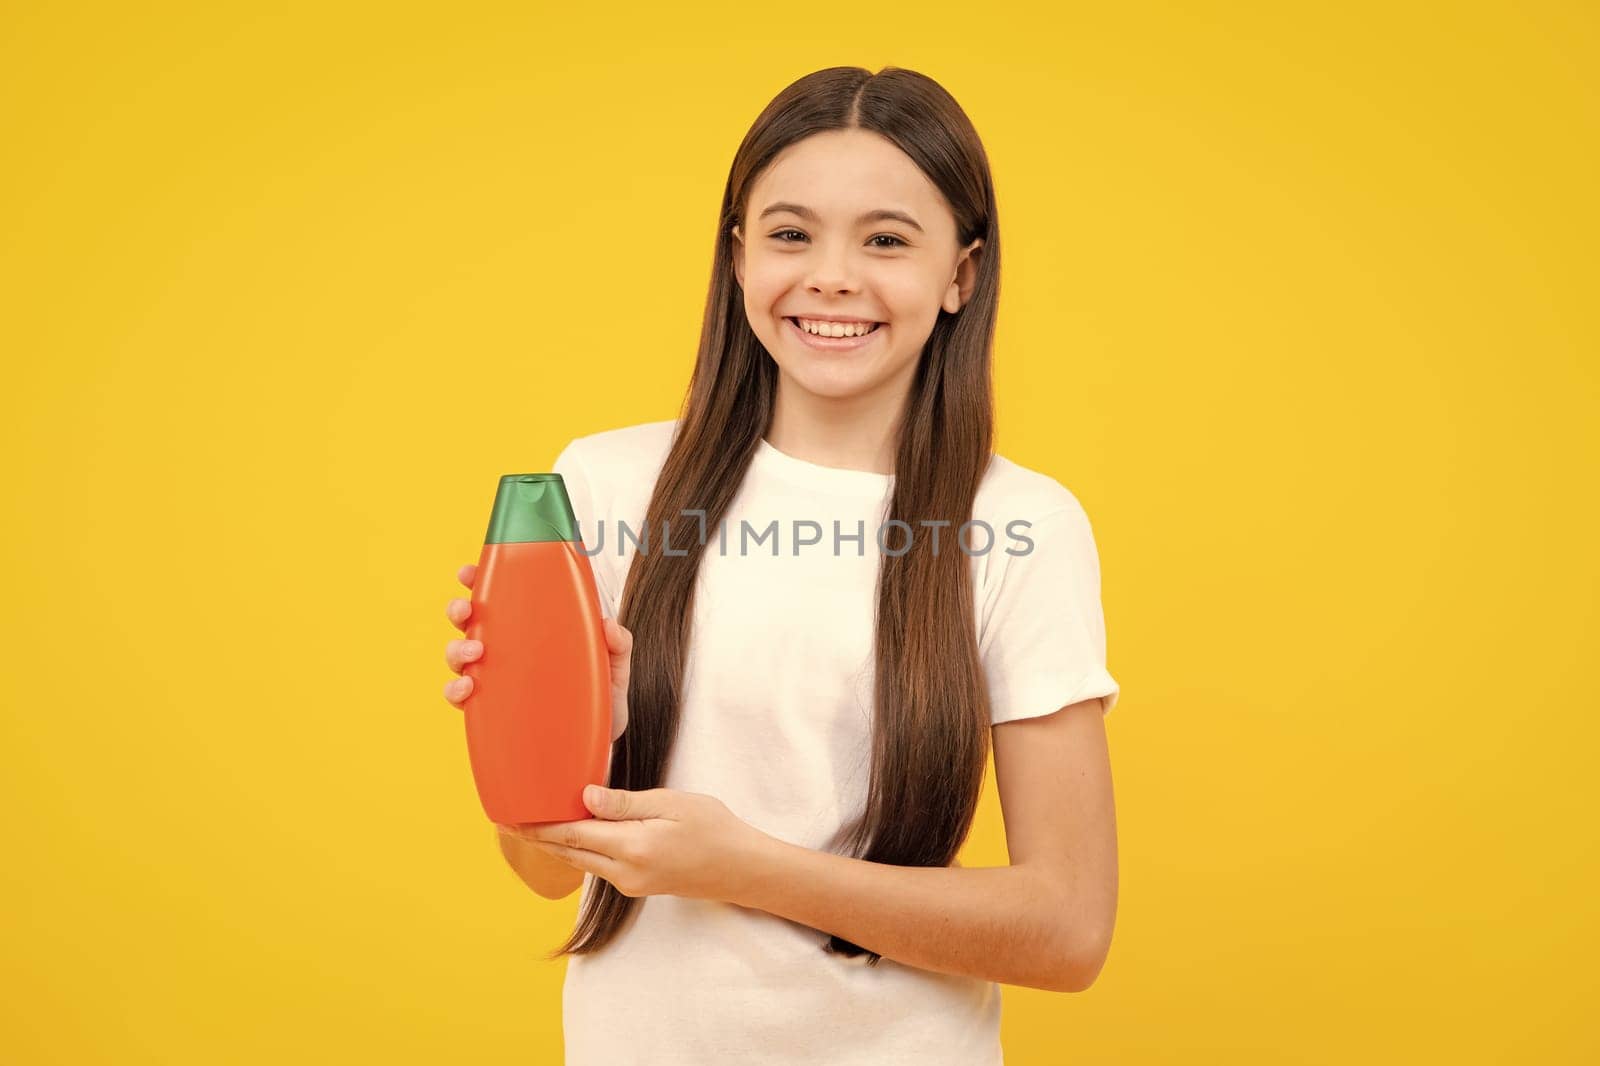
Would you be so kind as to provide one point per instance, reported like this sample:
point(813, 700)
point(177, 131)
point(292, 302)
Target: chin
point(834, 383)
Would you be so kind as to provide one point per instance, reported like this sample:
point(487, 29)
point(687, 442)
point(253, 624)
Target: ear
point(738, 257)
point(966, 276)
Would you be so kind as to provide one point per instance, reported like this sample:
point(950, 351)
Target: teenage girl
point(825, 598)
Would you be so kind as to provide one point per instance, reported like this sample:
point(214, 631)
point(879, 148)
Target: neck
point(852, 433)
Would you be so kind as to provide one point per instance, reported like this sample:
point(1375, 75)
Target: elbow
point(1080, 963)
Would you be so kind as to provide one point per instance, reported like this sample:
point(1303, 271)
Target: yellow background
point(1299, 303)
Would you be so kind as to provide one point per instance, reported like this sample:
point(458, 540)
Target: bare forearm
point(1001, 923)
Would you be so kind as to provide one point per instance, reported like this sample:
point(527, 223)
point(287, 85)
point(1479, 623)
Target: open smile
point(834, 344)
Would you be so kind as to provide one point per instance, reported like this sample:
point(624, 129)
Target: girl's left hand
point(657, 841)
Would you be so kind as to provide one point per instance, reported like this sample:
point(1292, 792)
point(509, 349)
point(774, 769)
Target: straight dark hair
point(930, 734)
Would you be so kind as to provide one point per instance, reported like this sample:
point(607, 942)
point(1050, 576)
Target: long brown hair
point(930, 737)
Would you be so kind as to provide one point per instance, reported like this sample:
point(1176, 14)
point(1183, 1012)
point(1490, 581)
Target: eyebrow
point(880, 215)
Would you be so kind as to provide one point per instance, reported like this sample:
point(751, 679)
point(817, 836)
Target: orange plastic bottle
point(539, 716)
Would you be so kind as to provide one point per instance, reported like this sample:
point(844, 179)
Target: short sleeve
point(586, 509)
point(1043, 639)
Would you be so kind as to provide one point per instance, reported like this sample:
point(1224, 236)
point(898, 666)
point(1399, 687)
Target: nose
point(831, 272)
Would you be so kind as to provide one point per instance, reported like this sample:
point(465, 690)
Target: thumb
point(615, 804)
point(619, 641)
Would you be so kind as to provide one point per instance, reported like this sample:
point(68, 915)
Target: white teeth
point(835, 329)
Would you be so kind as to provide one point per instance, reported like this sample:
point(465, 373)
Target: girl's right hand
point(459, 652)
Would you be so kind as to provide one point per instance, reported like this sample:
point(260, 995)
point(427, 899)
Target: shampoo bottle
point(539, 717)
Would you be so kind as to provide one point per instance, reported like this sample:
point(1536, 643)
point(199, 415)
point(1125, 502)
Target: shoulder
point(627, 452)
point(1044, 568)
point(617, 467)
point(624, 444)
point(1011, 492)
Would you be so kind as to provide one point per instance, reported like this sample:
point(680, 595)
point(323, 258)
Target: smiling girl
point(834, 599)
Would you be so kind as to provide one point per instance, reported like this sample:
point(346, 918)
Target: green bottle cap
point(531, 507)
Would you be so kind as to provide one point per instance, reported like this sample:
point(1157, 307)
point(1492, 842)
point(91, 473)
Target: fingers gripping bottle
point(539, 716)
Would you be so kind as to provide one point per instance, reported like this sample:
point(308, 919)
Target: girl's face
point(844, 225)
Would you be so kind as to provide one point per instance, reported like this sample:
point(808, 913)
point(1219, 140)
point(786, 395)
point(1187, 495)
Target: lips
point(834, 344)
point(796, 320)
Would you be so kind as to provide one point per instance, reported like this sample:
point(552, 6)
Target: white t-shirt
point(777, 699)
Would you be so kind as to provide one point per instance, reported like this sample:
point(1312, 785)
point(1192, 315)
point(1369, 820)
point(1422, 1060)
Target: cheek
point(766, 279)
point(904, 292)
point(910, 313)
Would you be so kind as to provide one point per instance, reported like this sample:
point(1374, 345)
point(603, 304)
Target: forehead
point(843, 173)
